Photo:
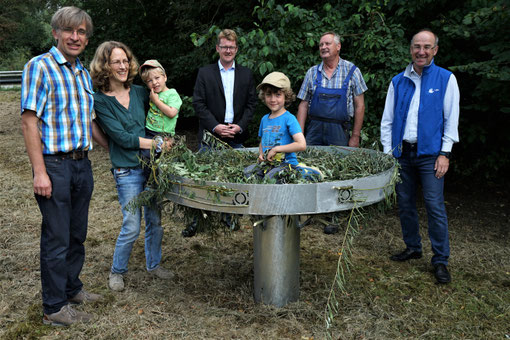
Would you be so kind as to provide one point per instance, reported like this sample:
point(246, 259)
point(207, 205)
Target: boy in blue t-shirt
point(280, 133)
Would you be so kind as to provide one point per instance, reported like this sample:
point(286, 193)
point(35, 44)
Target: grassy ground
point(212, 294)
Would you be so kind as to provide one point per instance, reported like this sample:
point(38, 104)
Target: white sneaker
point(162, 273)
point(116, 282)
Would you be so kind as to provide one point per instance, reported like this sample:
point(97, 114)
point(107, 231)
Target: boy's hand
point(271, 153)
point(261, 158)
point(153, 96)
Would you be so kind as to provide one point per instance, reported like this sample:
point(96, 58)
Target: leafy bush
point(15, 60)
point(375, 36)
point(275, 35)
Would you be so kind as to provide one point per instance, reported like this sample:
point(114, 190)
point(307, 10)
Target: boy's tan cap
point(277, 79)
point(151, 63)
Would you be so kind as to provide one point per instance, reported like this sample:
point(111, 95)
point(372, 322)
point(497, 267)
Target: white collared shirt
point(227, 78)
point(450, 112)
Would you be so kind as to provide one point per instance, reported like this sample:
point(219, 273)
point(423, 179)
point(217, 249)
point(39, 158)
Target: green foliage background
point(283, 35)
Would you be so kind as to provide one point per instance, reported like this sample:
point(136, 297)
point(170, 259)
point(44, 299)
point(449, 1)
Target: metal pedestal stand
point(276, 260)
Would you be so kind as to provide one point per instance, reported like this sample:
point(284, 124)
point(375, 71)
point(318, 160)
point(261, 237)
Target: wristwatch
point(444, 153)
point(159, 143)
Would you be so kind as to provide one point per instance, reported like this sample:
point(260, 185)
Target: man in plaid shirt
point(57, 122)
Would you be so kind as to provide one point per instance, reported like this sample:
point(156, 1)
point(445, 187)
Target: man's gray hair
point(336, 37)
point(71, 17)
point(436, 38)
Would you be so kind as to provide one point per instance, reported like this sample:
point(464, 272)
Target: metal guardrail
point(10, 77)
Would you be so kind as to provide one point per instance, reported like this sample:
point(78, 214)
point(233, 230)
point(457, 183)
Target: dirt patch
point(212, 294)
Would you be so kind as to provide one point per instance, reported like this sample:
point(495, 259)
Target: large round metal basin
point(284, 199)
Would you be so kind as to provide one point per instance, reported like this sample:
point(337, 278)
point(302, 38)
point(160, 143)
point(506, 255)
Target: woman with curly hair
point(120, 109)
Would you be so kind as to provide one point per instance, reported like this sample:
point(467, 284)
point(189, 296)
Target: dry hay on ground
point(211, 296)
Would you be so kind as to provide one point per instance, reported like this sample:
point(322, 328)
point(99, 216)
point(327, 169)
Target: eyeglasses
point(426, 48)
point(69, 30)
point(227, 48)
point(117, 63)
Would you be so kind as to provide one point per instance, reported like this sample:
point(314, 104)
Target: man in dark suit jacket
point(224, 98)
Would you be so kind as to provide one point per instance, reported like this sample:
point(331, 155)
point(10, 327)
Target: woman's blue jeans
point(130, 183)
point(414, 168)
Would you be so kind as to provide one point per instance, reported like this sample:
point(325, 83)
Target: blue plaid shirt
point(62, 99)
point(356, 85)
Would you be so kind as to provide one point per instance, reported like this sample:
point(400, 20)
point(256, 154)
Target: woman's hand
point(169, 142)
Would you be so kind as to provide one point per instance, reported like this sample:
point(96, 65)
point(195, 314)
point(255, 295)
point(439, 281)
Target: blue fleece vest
point(434, 81)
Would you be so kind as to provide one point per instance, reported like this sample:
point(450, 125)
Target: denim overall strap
point(328, 107)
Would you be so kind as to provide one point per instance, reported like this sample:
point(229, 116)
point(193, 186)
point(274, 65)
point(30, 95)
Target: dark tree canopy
point(283, 35)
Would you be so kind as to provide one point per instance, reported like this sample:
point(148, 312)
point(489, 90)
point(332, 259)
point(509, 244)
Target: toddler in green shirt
point(164, 103)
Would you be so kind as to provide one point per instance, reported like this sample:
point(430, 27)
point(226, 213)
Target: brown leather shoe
point(84, 296)
point(66, 316)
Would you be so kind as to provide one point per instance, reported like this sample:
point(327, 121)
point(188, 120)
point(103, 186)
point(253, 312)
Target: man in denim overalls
point(331, 94)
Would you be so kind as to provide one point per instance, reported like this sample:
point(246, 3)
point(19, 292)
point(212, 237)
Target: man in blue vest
point(331, 94)
point(419, 127)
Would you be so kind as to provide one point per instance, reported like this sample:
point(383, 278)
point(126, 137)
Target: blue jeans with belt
point(130, 183)
point(64, 229)
point(414, 168)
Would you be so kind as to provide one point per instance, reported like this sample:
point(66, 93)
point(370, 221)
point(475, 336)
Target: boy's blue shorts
point(309, 173)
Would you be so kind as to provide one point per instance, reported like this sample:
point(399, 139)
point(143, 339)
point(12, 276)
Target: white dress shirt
point(227, 78)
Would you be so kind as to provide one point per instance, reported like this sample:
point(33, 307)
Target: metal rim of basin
point(284, 199)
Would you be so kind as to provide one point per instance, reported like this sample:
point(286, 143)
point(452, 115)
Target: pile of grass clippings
point(228, 165)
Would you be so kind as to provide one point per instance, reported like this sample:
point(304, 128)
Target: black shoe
point(330, 229)
point(441, 273)
point(229, 222)
point(406, 255)
point(190, 230)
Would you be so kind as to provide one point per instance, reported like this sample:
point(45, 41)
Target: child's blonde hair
point(289, 94)
point(147, 70)
point(148, 66)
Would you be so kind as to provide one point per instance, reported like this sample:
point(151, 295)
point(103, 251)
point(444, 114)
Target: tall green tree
point(285, 38)
point(479, 39)
point(474, 43)
point(24, 32)
point(283, 35)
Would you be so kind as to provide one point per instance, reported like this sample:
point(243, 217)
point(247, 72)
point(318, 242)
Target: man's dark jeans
point(422, 168)
point(64, 229)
